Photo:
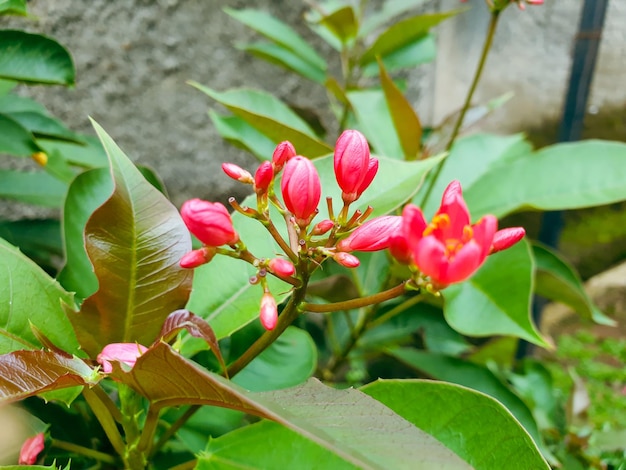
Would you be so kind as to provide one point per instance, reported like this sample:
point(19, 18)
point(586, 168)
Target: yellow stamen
point(440, 221)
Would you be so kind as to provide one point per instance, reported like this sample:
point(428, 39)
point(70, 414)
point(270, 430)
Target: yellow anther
point(468, 233)
point(40, 157)
point(440, 221)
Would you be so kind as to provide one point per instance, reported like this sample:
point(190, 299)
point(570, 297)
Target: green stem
point(147, 434)
point(101, 411)
point(271, 228)
point(493, 23)
point(356, 303)
point(87, 452)
point(395, 311)
point(173, 429)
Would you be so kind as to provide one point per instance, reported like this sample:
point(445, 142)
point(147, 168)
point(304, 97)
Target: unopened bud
point(282, 267)
point(283, 152)
point(323, 227)
point(346, 259)
point(196, 258)
point(506, 238)
point(269, 312)
point(237, 173)
point(263, 177)
point(40, 157)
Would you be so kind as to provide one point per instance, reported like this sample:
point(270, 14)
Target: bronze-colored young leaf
point(196, 326)
point(27, 373)
point(404, 117)
point(134, 241)
point(342, 23)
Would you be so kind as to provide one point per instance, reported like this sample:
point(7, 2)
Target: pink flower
point(282, 267)
point(269, 312)
point(237, 173)
point(449, 249)
point(263, 177)
point(196, 258)
point(283, 152)
point(373, 235)
point(126, 353)
point(209, 222)
point(301, 188)
point(32, 447)
point(346, 259)
point(354, 169)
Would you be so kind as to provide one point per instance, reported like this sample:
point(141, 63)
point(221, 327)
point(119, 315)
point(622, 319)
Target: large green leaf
point(13, 7)
point(39, 239)
point(15, 139)
point(34, 188)
point(556, 280)
point(27, 373)
point(475, 426)
point(30, 296)
point(405, 120)
point(469, 159)
point(561, 176)
point(241, 134)
point(280, 55)
point(288, 449)
point(402, 33)
point(87, 192)
point(347, 423)
point(388, 10)
point(496, 300)
point(88, 155)
point(271, 116)
point(135, 241)
point(279, 32)
point(42, 125)
point(420, 51)
point(33, 58)
point(289, 361)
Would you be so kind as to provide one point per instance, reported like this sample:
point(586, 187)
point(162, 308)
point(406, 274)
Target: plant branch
point(173, 429)
point(398, 309)
point(493, 23)
point(271, 228)
point(102, 413)
point(87, 452)
point(358, 302)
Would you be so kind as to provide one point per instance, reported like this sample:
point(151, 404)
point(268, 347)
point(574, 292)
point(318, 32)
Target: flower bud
point(32, 447)
point(237, 173)
point(351, 162)
point(269, 312)
point(372, 169)
point(282, 267)
point(399, 249)
point(283, 152)
point(322, 227)
point(346, 259)
point(373, 235)
point(301, 188)
point(196, 258)
point(506, 238)
point(263, 177)
point(127, 353)
point(40, 157)
point(209, 222)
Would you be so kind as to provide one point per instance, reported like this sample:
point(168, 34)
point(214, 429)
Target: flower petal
point(430, 257)
point(465, 263)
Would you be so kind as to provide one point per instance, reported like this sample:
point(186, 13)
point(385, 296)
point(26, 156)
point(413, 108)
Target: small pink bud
point(283, 152)
point(282, 267)
point(126, 353)
point(323, 227)
point(301, 188)
point(237, 173)
point(269, 312)
point(263, 177)
point(209, 222)
point(373, 235)
point(32, 447)
point(506, 238)
point(196, 258)
point(346, 259)
point(351, 162)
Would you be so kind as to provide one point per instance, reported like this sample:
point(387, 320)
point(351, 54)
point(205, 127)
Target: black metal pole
point(586, 47)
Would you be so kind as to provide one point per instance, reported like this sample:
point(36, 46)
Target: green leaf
point(278, 32)
point(470, 158)
point(389, 10)
point(289, 361)
point(33, 58)
point(241, 134)
point(288, 449)
point(562, 176)
point(270, 116)
point(420, 51)
point(556, 280)
point(13, 7)
point(284, 57)
point(34, 188)
point(15, 139)
point(342, 23)
point(348, 423)
point(5, 87)
point(39, 239)
point(87, 192)
point(30, 296)
point(135, 241)
point(88, 155)
point(375, 121)
point(42, 125)
point(404, 32)
point(475, 426)
point(407, 124)
point(27, 373)
point(496, 300)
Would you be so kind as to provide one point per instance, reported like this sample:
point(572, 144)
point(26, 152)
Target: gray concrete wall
point(133, 58)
